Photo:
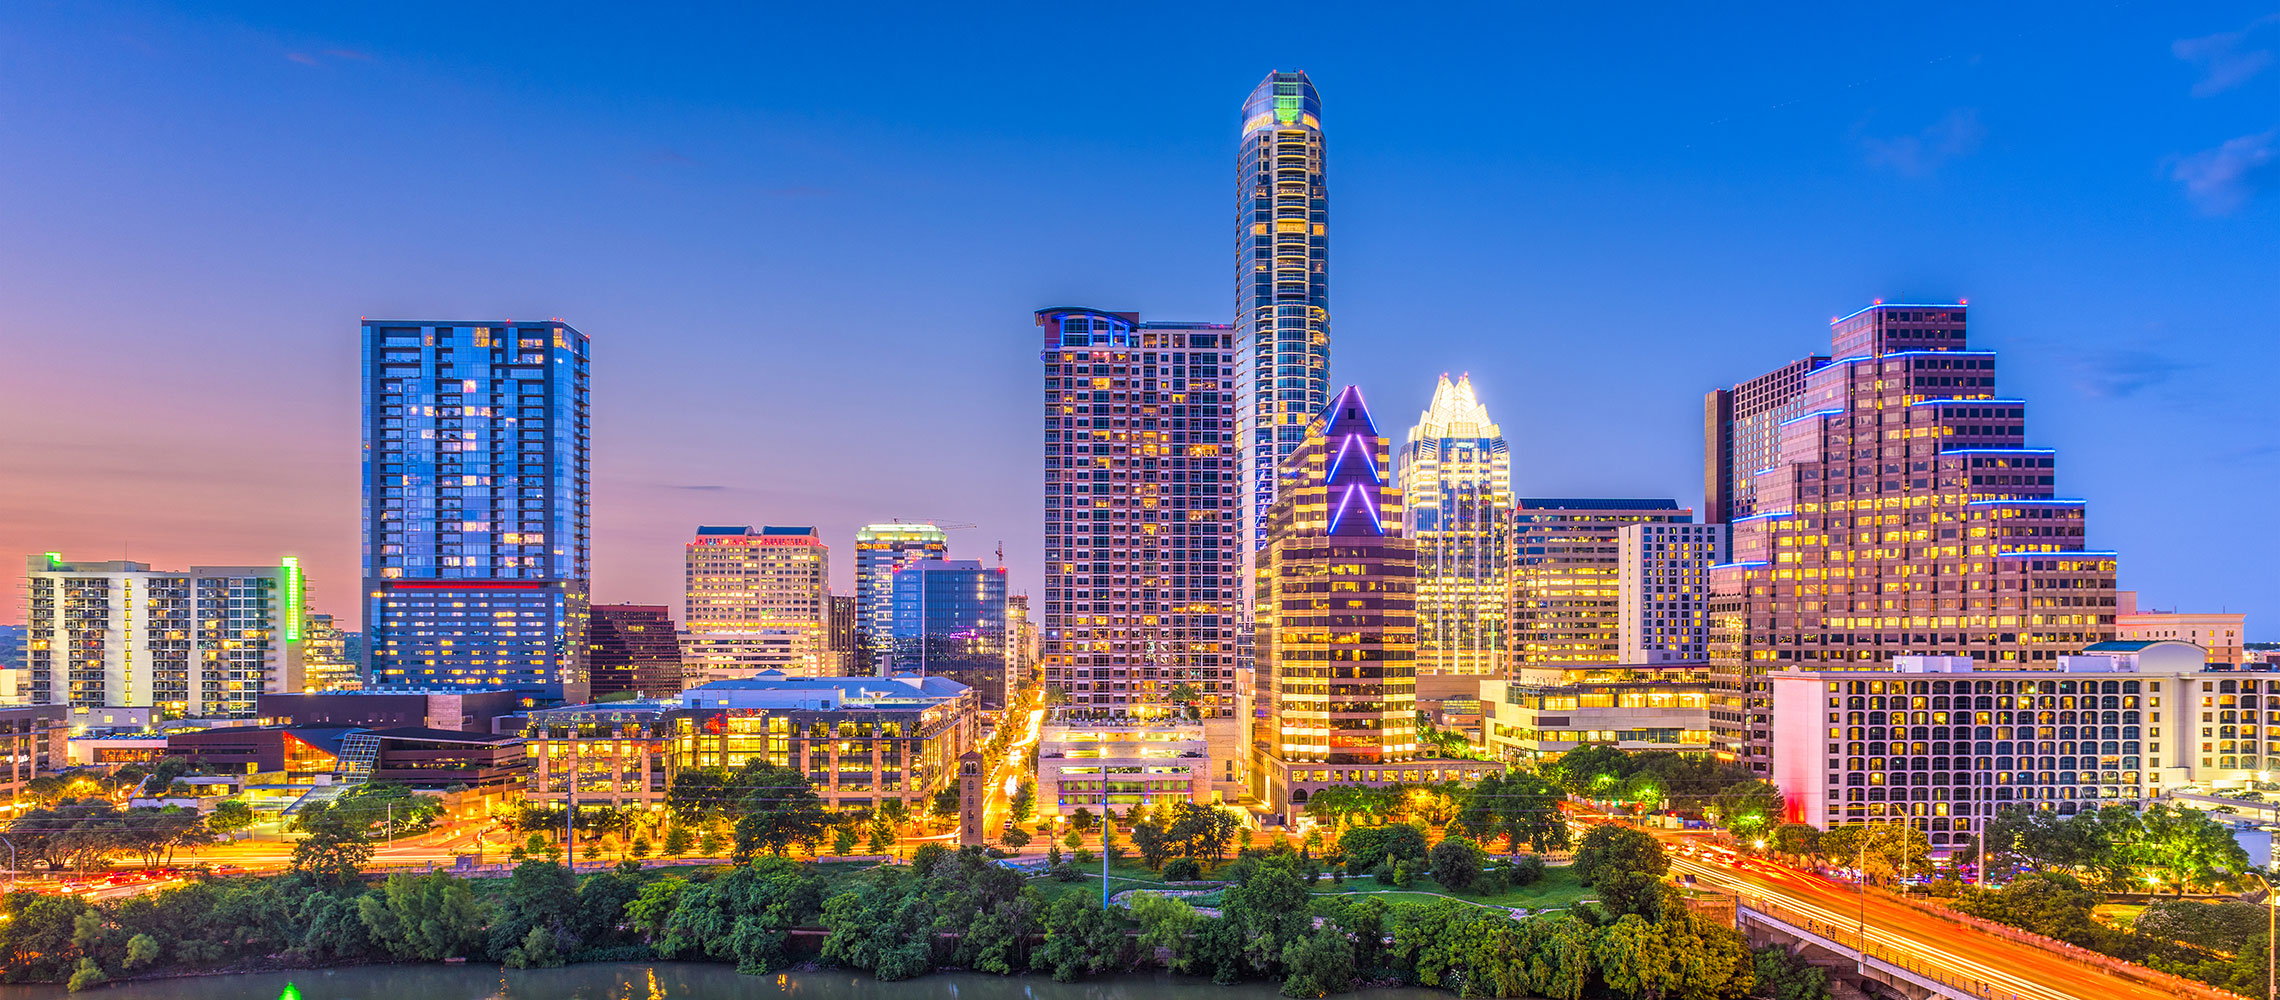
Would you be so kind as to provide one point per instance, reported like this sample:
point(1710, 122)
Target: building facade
point(631, 649)
point(860, 740)
point(1456, 488)
point(1944, 742)
point(201, 643)
point(842, 644)
point(2223, 636)
point(950, 621)
point(880, 550)
point(1662, 584)
point(1902, 515)
point(1282, 284)
point(1543, 712)
point(755, 599)
point(1739, 435)
point(326, 663)
point(35, 740)
point(1101, 759)
point(1142, 510)
point(1567, 598)
point(477, 520)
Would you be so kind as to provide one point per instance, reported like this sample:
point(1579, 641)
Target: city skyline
point(2135, 394)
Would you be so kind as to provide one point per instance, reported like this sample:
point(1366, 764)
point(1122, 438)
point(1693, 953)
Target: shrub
point(1182, 870)
point(1528, 870)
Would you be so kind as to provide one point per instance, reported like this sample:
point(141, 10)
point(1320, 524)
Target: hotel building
point(476, 506)
point(1456, 486)
point(754, 599)
point(1943, 742)
point(1282, 285)
point(1902, 514)
point(880, 550)
point(203, 643)
point(1141, 519)
point(1567, 599)
point(1662, 584)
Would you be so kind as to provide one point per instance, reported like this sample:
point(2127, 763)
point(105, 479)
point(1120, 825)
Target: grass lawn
point(1558, 888)
point(1127, 875)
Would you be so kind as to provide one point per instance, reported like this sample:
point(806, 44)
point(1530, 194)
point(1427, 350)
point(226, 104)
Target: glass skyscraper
point(476, 519)
point(1282, 284)
point(950, 622)
point(880, 550)
point(1456, 482)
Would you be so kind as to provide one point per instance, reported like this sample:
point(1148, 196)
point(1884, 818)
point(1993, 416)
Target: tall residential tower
point(1282, 284)
point(476, 509)
point(1456, 487)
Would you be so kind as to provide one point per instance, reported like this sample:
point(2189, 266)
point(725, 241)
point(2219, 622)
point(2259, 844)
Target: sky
point(807, 243)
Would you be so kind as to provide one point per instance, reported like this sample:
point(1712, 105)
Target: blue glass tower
point(1282, 284)
point(476, 522)
point(950, 622)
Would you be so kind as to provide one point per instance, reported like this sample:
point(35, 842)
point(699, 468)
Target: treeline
point(945, 910)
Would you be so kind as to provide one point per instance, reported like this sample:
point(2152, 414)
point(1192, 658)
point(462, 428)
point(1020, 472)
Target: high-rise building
point(201, 643)
point(842, 644)
point(1456, 488)
point(1662, 583)
point(325, 661)
point(476, 506)
point(1020, 647)
point(1141, 522)
point(1336, 608)
point(880, 550)
point(631, 649)
point(1738, 435)
point(1282, 284)
point(755, 599)
point(1901, 514)
point(1567, 601)
point(950, 622)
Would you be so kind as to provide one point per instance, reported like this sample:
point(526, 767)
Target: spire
point(1455, 412)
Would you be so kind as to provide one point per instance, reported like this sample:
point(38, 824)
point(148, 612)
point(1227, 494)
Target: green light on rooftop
point(292, 573)
point(1286, 108)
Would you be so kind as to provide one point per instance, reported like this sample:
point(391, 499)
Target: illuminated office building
point(476, 493)
point(326, 663)
point(880, 550)
point(1282, 284)
point(631, 650)
point(1567, 599)
point(754, 599)
point(1662, 585)
point(1738, 435)
point(205, 643)
point(1456, 487)
point(840, 643)
point(950, 622)
point(1902, 514)
point(1141, 515)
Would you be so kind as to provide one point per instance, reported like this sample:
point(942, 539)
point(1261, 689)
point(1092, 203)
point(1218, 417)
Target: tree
point(1521, 807)
point(699, 795)
point(333, 849)
point(424, 918)
point(1321, 962)
point(1781, 975)
point(1082, 821)
point(1610, 850)
point(1457, 863)
point(1797, 840)
point(1080, 938)
point(678, 841)
point(776, 809)
point(1364, 847)
point(539, 895)
point(1748, 808)
point(1024, 801)
point(1165, 927)
point(229, 817)
point(2184, 847)
point(1182, 870)
point(944, 804)
point(1016, 838)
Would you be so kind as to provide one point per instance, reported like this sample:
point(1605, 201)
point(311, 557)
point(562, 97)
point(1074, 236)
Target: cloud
point(309, 59)
point(349, 54)
point(663, 155)
point(2221, 180)
point(303, 58)
point(1953, 136)
point(2225, 58)
point(2118, 374)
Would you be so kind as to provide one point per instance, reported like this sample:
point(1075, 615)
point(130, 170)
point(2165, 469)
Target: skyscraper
point(841, 645)
point(476, 509)
point(1336, 609)
point(755, 599)
point(326, 664)
point(631, 649)
point(1282, 284)
point(1662, 582)
point(1566, 589)
point(1456, 488)
point(1901, 514)
point(880, 550)
point(202, 643)
point(950, 622)
point(1141, 521)
point(1738, 435)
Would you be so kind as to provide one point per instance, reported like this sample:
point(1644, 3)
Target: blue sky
point(807, 243)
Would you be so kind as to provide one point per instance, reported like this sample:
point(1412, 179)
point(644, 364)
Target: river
point(659, 981)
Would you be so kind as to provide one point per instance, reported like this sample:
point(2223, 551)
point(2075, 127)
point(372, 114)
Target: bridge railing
point(1850, 935)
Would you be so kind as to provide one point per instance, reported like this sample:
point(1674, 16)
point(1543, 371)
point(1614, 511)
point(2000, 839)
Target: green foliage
point(1364, 847)
point(1458, 864)
point(1611, 850)
point(1781, 975)
point(1186, 829)
point(1182, 870)
point(957, 908)
point(2221, 925)
point(1166, 925)
point(1528, 870)
point(1080, 939)
point(745, 916)
point(229, 816)
point(1320, 962)
point(333, 849)
point(1521, 807)
point(540, 895)
point(424, 918)
point(776, 808)
point(1015, 837)
point(1025, 802)
point(1748, 808)
point(86, 976)
point(678, 841)
point(1797, 840)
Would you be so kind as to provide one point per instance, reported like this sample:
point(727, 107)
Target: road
point(1910, 935)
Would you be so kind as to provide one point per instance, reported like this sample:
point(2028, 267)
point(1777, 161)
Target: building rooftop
point(441, 735)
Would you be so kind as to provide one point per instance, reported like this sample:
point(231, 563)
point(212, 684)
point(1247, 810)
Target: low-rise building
point(439, 759)
point(299, 753)
point(35, 740)
point(859, 740)
point(1145, 760)
point(611, 754)
point(1934, 742)
point(2220, 635)
point(1545, 711)
point(389, 708)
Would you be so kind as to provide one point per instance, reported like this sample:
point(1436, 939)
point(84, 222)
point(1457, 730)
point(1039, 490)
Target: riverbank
point(661, 981)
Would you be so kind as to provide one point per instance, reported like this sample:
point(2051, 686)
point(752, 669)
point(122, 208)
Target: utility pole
point(1107, 831)
point(570, 818)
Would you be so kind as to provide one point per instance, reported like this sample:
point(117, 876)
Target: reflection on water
point(661, 981)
